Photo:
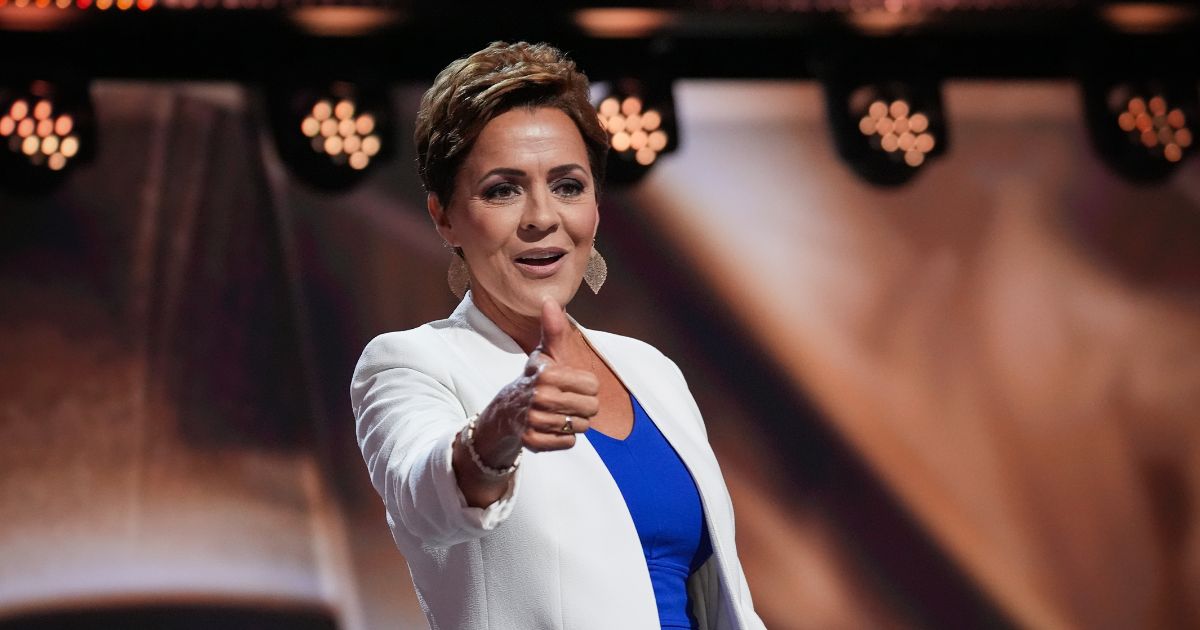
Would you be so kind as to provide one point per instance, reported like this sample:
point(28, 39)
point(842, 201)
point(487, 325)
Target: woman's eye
point(501, 191)
point(569, 187)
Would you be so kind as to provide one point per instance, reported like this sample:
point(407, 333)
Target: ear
point(441, 222)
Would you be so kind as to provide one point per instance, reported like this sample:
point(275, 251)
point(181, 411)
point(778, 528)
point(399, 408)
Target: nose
point(539, 214)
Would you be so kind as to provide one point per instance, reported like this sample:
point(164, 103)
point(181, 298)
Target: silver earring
point(597, 270)
point(457, 276)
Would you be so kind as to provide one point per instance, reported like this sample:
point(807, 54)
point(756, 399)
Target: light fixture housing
point(333, 136)
point(47, 129)
point(887, 130)
point(639, 117)
point(1143, 129)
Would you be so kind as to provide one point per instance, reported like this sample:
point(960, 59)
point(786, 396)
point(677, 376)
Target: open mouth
point(540, 260)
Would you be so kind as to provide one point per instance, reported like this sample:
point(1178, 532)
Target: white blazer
point(559, 549)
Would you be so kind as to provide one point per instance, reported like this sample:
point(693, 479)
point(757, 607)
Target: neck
point(524, 329)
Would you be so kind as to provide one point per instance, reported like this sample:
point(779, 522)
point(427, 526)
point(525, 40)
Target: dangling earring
point(457, 276)
point(597, 270)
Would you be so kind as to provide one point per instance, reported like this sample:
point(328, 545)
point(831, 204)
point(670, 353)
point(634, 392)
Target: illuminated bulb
point(620, 141)
point(651, 120)
point(924, 143)
point(322, 110)
point(918, 123)
point(310, 127)
point(637, 140)
point(359, 160)
point(657, 140)
point(63, 125)
point(365, 124)
point(344, 110)
point(1183, 138)
point(610, 107)
point(890, 143)
point(867, 126)
point(371, 145)
point(69, 146)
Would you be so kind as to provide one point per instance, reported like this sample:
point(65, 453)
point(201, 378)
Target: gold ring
point(566, 427)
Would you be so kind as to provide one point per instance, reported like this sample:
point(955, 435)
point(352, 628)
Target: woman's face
point(523, 210)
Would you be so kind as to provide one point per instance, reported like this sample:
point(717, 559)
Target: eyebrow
point(516, 172)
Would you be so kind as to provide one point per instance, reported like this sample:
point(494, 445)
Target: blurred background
point(931, 268)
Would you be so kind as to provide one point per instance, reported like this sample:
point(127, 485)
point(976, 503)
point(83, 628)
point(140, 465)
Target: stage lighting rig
point(1142, 129)
point(887, 130)
point(46, 129)
point(639, 117)
point(333, 136)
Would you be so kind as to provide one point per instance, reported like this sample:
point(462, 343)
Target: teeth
point(540, 256)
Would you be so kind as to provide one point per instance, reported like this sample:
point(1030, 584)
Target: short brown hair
point(474, 89)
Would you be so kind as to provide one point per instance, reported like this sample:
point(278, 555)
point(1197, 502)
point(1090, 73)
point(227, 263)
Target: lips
point(540, 262)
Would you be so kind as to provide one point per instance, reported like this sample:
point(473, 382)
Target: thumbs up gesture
point(562, 398)
point(542, 409)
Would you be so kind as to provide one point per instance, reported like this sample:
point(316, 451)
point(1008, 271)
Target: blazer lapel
point(658, 397)
point(654, 392)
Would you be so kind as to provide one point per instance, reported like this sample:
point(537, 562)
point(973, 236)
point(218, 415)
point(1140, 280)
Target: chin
point(531, 301)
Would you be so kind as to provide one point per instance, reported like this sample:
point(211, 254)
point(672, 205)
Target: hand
point(531, 411)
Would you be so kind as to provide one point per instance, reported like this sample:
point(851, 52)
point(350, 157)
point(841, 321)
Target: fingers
point(556, 329)
point(545, 431)
point(554, 400)
point(569, 380)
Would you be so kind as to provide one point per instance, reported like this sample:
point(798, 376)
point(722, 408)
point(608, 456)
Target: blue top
point(666, 510)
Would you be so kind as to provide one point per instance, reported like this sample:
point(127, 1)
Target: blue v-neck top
point(666, 510)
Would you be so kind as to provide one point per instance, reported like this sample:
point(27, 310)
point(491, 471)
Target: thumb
point(555, 329)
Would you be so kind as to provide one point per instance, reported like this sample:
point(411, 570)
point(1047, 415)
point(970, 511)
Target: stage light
point(45, 130)
point(1142, 130)
point(640, 121)
point(887, 131)
point(331, 137)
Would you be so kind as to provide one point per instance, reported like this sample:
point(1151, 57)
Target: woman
point(617, 517)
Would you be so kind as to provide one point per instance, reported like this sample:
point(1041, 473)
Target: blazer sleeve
point(407, 416)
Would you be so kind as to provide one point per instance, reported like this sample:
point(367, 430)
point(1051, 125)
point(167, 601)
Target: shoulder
point(630, 346)
point(416, 348)
point(640, 352)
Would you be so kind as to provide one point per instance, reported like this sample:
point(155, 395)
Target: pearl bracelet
point(467, 437)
